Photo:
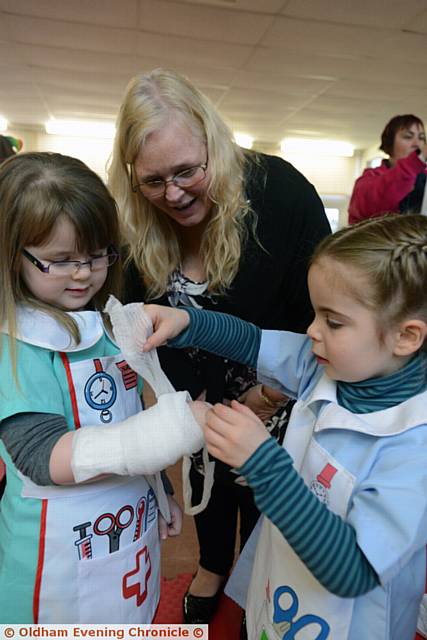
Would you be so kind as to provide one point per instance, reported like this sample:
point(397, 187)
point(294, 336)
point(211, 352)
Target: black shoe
point(200, 609)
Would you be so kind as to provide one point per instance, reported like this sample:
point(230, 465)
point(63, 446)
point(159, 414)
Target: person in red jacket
point(398, 184)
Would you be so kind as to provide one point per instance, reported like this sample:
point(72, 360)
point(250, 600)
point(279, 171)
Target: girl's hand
point(200, 410)
point(175, 525)
point(167, 323)
point(233, 433)
point(264, 406)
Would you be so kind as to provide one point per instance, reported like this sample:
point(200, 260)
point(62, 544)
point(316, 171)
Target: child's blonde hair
point(150, 102)
point(36, 189)
point(391, 254)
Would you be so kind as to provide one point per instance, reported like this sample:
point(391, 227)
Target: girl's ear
point(410, 337)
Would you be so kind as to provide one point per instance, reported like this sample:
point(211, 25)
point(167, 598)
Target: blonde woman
point(210, 225)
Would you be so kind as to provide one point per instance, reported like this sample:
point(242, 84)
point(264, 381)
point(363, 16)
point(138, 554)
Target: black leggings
point(217, 524)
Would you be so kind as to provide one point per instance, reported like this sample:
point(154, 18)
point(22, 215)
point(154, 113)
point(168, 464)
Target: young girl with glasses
point(341, 552)
point(79, 534)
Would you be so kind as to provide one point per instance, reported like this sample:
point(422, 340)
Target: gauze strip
point(131, 328)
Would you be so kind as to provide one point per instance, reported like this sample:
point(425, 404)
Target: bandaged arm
point(29, 439)
point(140, 445)
point(41, 446)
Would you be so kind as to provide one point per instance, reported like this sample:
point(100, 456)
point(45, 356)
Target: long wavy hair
point(150, 101)
point(391, 254)
point(35, 190)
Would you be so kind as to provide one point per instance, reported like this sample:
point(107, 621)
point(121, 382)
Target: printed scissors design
point(113, 526)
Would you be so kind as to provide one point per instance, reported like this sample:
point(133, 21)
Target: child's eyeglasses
point(71, 267)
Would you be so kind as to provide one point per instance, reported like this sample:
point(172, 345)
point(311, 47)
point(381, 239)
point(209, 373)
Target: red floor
point(224, 626)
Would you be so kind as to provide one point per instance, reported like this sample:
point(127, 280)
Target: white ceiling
point(324, 68)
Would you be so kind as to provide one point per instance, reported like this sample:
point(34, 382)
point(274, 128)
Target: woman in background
point(210, 225)
point(398, 184)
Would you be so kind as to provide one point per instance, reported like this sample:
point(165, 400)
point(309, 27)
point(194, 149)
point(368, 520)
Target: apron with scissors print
point(99, 556)
point(285, 601)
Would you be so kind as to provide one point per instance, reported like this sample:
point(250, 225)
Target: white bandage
point(140, 445)
point(131, 328)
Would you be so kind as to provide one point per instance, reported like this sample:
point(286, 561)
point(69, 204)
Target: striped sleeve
point(221, 334)
point(324, 542)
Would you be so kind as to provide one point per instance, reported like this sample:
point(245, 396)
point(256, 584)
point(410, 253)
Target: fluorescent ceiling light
point(81, 128)
point(317, 147)
point(3, 123)
point(243, 140)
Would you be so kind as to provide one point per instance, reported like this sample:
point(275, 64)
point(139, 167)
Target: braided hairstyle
point(390, 253)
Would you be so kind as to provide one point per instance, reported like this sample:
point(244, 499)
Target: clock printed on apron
point(101, 392)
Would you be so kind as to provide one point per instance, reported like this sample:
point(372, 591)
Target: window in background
point(333, 216)
point(336, 205)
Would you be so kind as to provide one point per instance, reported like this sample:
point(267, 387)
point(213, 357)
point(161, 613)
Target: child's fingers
point(213, 438)
point(163, 528)
point(226, 413)
point(154, 341)
point(216, 452)
point(167, 323)
point(243, 409)
point(216, 423)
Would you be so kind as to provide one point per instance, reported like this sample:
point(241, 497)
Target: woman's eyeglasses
point(71, 267)
point(156, 187)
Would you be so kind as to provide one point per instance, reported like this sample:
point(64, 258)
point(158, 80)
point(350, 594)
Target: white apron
point(99, 551)
point(285, 601)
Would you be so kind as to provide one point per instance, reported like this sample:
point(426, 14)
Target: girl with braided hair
point(341, 549)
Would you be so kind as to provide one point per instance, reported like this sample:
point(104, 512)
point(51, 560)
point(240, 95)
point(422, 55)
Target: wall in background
point(332, 176)
point(94, 152)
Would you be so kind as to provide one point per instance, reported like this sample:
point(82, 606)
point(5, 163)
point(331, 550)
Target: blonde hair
point(391, 254)
point(35, 190)
point(150, 101)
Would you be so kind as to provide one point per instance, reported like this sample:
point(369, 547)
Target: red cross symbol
point(130, 588)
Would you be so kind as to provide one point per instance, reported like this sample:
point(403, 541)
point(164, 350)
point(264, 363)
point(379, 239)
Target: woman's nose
point(173, 193)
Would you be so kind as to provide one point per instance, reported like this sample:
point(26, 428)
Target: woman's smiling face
point(166, 152)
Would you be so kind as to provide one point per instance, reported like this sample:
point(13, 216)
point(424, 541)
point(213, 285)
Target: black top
point(270, 288)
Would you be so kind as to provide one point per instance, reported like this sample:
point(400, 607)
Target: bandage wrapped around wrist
point(142, 444)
